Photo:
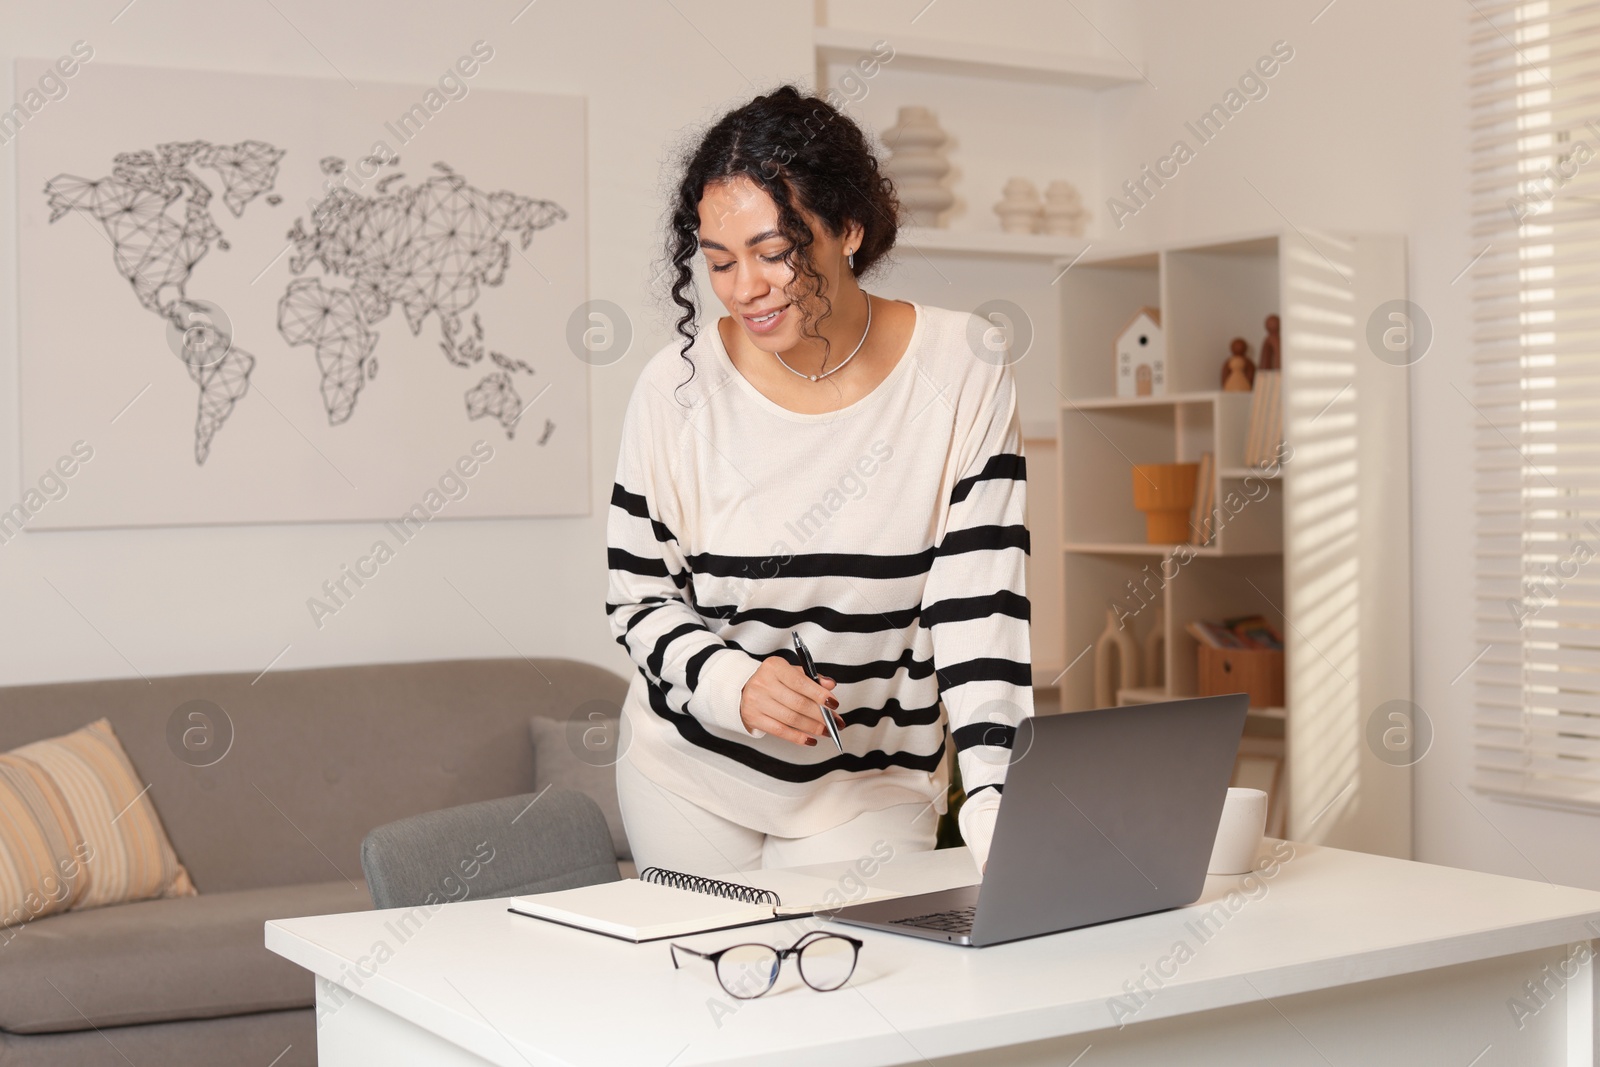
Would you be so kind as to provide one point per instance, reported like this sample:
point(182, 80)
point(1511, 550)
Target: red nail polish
point(811, 740)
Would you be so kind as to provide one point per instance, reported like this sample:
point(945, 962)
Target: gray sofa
point(272, 830)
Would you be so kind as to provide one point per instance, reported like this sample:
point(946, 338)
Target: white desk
point(1338, 958)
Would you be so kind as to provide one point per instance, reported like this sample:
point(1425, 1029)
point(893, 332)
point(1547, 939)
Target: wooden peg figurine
point(1269, 346)
point(1239, 373)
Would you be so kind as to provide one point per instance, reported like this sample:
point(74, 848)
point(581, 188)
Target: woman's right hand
point(780, 700)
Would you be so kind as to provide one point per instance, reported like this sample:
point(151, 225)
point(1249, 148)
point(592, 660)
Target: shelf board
point(1245, 472)
point(1136, 548)
point(1041, 246)
point(1205, 397)
point(968, 59)
point(1133, 548)
point(1119, 252)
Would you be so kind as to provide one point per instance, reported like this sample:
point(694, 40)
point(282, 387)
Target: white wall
point(230, 598)
point(1365, 128)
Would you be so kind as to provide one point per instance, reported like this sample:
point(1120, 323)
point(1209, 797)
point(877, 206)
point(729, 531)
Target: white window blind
point(1535, 187)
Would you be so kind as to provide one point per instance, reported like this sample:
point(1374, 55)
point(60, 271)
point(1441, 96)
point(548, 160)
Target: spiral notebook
point(662, 903)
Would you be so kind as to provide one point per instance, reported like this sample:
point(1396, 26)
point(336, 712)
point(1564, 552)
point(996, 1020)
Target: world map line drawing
point(157, 253)
point(429, 247)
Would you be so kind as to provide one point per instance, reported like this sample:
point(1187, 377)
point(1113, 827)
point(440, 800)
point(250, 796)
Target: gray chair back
point(533, 843)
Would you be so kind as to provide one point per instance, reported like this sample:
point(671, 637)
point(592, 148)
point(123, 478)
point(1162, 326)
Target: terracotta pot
point(1165, 493)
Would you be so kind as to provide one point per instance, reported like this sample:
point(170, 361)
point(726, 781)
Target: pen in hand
point(810, 668)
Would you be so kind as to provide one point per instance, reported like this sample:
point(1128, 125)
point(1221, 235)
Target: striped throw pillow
point(126, 853)
point(40, 873)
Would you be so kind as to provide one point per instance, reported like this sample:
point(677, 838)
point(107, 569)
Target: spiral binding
point(745, 894)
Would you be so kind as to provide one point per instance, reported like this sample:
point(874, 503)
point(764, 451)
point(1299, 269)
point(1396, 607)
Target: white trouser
point(665, 830)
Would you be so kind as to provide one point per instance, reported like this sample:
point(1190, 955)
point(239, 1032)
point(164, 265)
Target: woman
point(819, 462)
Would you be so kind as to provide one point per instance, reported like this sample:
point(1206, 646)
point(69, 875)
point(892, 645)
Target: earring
point(850, 258)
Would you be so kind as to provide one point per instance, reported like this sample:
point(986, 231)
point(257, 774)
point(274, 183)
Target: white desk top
point(482, 977)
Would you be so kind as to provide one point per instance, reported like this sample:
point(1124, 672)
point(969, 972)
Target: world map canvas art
point(265, 299)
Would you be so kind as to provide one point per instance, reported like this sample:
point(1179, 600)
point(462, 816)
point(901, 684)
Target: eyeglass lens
point(826, 963)
point(747, 971)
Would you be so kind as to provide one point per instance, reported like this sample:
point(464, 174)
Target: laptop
point(1107, 814)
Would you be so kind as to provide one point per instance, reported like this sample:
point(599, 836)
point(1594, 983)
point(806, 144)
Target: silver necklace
point(847, 359)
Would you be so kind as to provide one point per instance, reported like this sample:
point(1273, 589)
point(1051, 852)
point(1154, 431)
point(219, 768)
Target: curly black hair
point(807, 155)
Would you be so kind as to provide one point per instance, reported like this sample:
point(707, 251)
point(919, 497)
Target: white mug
point(1244, 820)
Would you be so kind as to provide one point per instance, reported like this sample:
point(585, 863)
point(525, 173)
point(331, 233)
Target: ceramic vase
point(1064, 214)
point(1019, 207)
point(1116, 662)
point(1155, 652)
point(1165, 493)
point(918, 166)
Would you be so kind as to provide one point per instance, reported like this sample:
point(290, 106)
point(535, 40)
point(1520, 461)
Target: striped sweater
point(891, 534)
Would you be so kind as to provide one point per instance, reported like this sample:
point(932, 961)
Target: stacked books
point(1265, 438)
point(1203, 527)
point(1248, 631)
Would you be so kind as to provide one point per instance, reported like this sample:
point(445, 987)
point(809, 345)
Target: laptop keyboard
point(955, 921)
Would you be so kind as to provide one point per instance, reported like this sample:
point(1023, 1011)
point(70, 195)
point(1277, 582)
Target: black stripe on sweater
point(691, 670)
point(895, 712)
point(636, 505)
point(828, 619)
point(877, 668)
point(620, 559)
point(1003, 465)
point(692, 731)
point(962, 609)
point(991, 734)
point(981, 538)
point(658, 654)
point(854, 564)
point(986, 669)
point(612, 609)
point(975, 790)
point(812, 565)
point(640, 615)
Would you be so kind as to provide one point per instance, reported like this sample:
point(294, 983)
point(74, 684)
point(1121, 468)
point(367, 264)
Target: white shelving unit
point(970, 60)
point(1321, 549)
point(1030, 246)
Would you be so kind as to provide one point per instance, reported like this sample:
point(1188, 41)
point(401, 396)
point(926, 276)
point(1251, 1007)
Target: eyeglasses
point(746, 971)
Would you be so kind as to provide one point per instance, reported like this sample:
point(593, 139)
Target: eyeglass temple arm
point(675, 949)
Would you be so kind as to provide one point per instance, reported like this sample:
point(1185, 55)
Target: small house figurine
point(1142, 356)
